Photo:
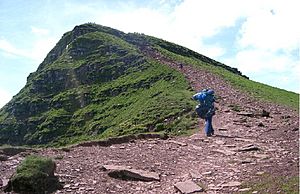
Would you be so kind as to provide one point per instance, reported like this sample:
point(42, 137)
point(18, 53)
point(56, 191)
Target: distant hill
point(98, 82)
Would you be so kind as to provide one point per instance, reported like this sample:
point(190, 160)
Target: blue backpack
point(206, 106)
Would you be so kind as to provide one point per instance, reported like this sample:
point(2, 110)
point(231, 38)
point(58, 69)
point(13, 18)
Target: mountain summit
point(99, 82)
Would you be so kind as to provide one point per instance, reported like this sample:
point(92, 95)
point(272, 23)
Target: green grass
point(110, 89)
point(156, 99)
point(150, 97)
point(274, 184)
point(96, 47)
point(33, 164)
point(34, 175)
point(257, 90)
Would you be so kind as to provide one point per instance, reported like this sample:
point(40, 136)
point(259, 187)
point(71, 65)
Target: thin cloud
point(10, 49)
point(39, 31)
point(5, 97)
point(272, 27)
point(39, 49)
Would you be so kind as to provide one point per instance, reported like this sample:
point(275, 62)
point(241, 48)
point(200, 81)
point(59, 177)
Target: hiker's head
point(210, 91)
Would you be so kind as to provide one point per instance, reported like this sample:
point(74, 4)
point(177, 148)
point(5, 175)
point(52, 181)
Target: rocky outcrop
point(68, 37)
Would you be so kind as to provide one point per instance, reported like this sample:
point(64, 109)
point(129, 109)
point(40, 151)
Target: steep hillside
point(99, 82)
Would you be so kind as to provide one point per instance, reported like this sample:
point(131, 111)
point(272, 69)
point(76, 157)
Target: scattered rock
point(67, 186)
point(232, 184)
point(260, 124)
point(285, 117)
point(226, 110)
point(244, 189)
point(262, 156)
point(247, 114)
point(241, 120)
point(178, 143)
point(3, 157)
point(260, 173)
point(245, 161)
point(196, 147)
point(195, 175)
point(272, 129)
point(126, 173)
point(207, 173)
point(220, 142)
point(265, 113)
point(230, 146)
point(90, 189)
point(243, 139)
point(66, 149)
point(188, 187)
point(295, 129)
point(4, 183)
point(225, 152)
point(249, 147)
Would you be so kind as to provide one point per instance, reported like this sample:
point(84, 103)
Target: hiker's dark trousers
point(208, 126)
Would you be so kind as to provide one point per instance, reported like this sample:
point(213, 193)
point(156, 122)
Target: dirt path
point(245, 147)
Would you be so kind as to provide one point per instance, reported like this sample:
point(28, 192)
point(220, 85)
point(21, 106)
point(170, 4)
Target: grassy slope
point(256, 89)
point(152, 100)
point(128, 95)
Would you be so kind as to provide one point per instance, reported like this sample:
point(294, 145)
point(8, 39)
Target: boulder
point(249, 147)
point(188, 186)
point(126, 173)
point(34, 175)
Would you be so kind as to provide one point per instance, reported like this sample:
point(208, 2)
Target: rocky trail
point(262, 139)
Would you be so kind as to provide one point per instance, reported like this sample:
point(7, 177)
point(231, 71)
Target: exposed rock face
point(68, 37)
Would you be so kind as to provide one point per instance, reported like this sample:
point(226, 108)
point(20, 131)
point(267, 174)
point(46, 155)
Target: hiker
point(205, 109)
point(181, 65)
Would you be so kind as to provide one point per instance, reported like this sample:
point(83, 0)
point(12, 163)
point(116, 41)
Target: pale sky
point(259, 37)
